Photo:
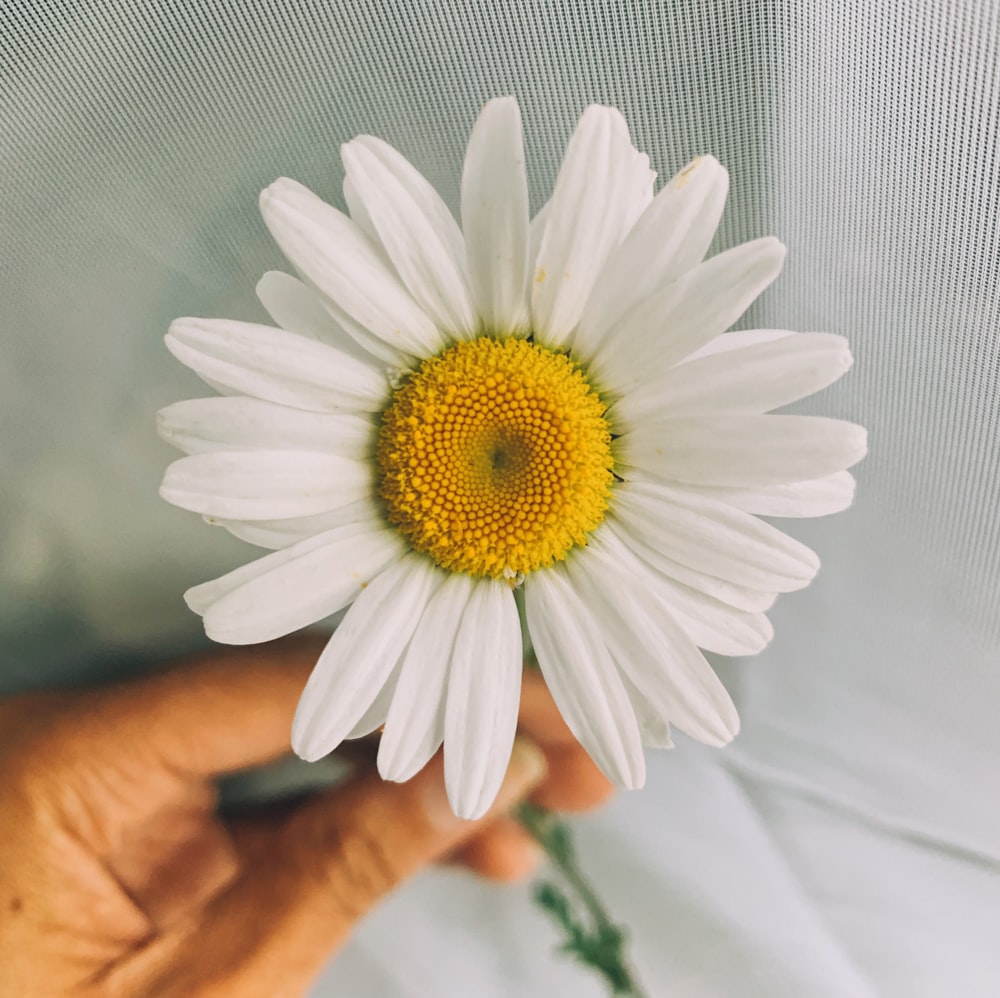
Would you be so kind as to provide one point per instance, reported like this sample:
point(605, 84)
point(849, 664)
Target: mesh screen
point(134, 138)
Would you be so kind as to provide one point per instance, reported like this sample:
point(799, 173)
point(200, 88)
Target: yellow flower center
point(495, 458)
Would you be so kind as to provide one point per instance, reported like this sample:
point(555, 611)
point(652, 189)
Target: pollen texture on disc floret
point(494, 458)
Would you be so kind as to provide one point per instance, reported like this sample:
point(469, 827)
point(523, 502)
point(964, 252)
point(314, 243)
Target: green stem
point(527, 648)
point(601, 945)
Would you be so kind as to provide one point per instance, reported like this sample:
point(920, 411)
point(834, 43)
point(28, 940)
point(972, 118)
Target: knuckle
point(27, 753)
point(44, 758)
point(359, 866)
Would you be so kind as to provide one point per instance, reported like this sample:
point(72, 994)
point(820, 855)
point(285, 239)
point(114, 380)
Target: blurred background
point(848, 843)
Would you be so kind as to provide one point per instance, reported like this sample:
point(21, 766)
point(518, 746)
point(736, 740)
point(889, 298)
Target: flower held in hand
point(449, 413)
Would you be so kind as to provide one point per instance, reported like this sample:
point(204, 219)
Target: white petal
point(198, 426)
point(737, 341)
point(292, 305)
point(582, 677)
point(495, 218)
point(264, 485)
point(335, 255)
point(669, 672)
point(290, 589)
point(414, 727)
point(638, 180)
point(361, 655)
point(201, 597)
point(738, 597)
point(298, 308)
point(816, 497)
point(752, 380)
point(387, 357)
point(602, 181)
point(654, 730)
point(682, 317)
point(713, 537)
point(484, 689)
point(672, 236)
point(276, 534)
point(275, 365)
point(744, 451)
point(375, 716)
point(415, 229)
point(711, 623)
point(535, 233)
point(359, 214)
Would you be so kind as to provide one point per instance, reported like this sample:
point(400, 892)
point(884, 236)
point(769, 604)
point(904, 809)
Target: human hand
point(119, 878)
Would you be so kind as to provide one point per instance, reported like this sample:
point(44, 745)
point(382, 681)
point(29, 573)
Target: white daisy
point(449, 413)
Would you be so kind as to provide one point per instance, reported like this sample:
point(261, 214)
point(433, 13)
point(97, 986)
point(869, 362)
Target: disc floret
point(494, 458)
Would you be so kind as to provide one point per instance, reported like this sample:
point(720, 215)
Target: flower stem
point(599, 944)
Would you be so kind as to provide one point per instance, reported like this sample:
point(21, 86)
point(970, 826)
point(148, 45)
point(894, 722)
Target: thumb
point(314, 875)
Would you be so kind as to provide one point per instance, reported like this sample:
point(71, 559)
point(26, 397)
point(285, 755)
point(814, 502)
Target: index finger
point(219, 712)
point(539, 715)
point(574, 782)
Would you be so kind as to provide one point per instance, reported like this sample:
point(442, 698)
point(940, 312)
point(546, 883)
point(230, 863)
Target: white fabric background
point(849, 843)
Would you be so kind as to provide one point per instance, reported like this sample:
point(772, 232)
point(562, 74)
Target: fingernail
point(527, 768)
point(534, 857)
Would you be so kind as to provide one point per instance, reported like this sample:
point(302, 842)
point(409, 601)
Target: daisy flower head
point(445, 414)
